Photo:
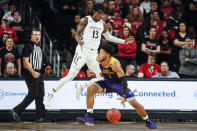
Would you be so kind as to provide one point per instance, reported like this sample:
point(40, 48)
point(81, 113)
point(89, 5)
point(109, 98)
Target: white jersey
point(92, 33)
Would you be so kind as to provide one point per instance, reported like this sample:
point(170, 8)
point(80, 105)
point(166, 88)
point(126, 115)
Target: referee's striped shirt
point(34, 53)
point(35, 58)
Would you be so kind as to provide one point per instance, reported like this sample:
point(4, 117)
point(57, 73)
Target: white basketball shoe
point(48, 98)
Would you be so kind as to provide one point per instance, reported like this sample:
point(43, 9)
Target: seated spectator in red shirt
point(130, 71)
point(90, 73)
point(5, 28)
point(127, 52)
point(117, 21)
point(149, 69)
point(79, 75)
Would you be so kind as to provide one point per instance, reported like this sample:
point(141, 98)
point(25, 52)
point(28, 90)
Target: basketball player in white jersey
point(88, 36)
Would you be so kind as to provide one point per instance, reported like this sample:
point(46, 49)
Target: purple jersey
point(111, 82)
point(107, 71)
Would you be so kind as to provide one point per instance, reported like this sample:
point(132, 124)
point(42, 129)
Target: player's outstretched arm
point(111, 38)
point(80, 29)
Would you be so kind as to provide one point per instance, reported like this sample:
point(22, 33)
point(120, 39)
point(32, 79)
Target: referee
point(32, 63)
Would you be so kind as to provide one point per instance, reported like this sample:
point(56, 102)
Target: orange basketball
point(113, 115)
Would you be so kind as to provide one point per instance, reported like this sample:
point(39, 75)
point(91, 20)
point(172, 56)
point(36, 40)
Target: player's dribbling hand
point(122, 100)
point(36, 74)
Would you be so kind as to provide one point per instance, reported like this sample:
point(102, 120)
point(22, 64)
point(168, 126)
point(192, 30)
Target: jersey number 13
point(95, 34)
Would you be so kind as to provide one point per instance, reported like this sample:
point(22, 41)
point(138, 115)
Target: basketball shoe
point(89, 121)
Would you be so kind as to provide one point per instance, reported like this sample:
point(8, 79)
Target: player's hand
point(122, 100)
point(130, 39)
point(36, 74)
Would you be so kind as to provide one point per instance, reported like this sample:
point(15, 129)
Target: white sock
point(84, 85)
point(145, 118)
point(90, 110)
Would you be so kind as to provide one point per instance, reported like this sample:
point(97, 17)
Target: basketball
point(113, 115)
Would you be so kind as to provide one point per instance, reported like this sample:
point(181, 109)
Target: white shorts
point(88, 56)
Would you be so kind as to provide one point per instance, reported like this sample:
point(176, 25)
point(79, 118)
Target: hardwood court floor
point(73, 126)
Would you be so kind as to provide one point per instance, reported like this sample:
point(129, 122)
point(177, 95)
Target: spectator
point(165, 72)
point(149, 69)
point(135, 18)
point(166, 8)
point(5, 28)
point(88, 9)
point(10, 54)
point(188, 60)
point(154, 7)
point(4, 36)
point(110, 10)
point(166, 49)
point(105, 5)
point(81, 74)
point(127, 52)
point(17, 25)
point(174, 20)
point(179, 42)
point(10, 71)
point(110, 28)
point(117, 21)
point(90, 73)
point(9, 15)
point(127, 23)
point(48, 71)
point(125, 8)
point(155, 22)
point(149, 46)
point(130, 71)
point(104, 17)
point(136, 3)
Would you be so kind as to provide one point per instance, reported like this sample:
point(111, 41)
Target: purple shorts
point(112, 86)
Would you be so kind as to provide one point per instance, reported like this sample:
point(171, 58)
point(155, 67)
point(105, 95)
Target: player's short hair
point(98, 7)
point(107, 46)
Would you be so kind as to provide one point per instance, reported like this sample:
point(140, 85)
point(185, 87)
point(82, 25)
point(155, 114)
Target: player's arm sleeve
point(124, 85)
point(111, 38)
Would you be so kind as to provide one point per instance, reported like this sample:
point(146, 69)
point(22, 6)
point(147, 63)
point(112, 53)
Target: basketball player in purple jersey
point(114, 81)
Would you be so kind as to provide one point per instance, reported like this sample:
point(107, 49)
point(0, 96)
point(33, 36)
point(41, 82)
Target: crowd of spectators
point(163, 34)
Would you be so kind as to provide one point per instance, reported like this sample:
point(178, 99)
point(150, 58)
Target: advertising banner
point(153, 95)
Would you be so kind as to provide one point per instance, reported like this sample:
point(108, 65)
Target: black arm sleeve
point(124, 85)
